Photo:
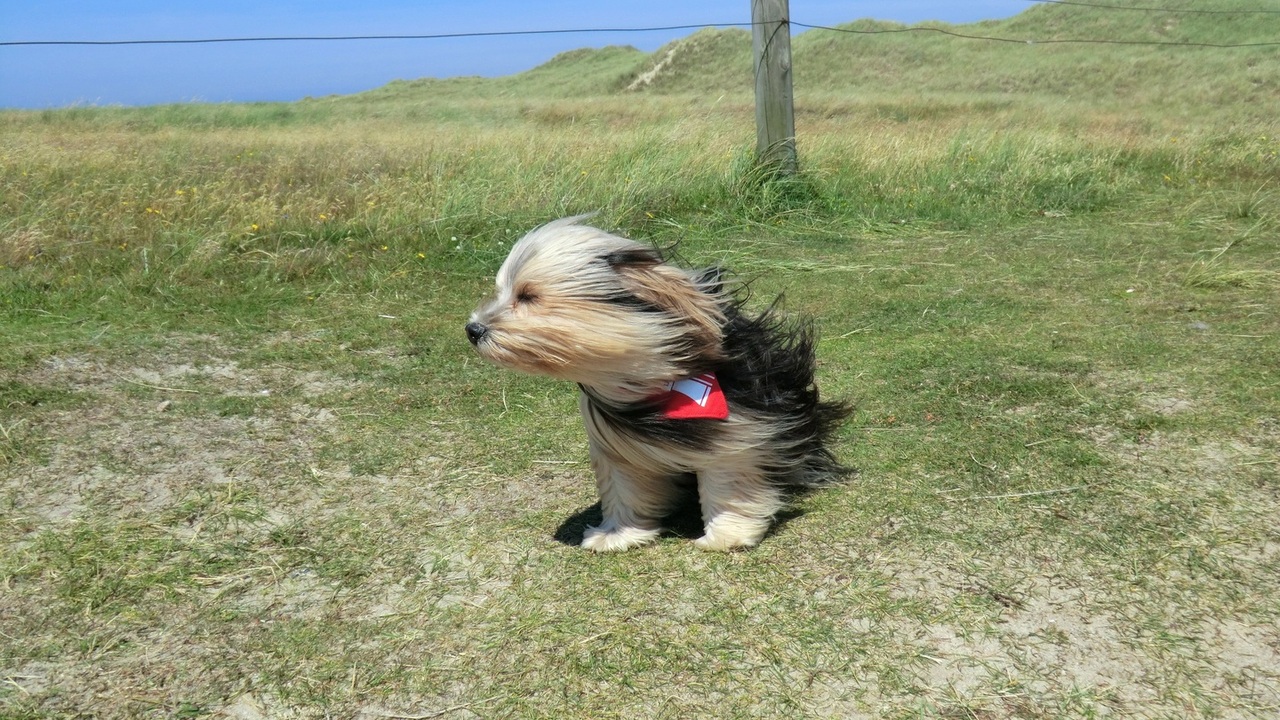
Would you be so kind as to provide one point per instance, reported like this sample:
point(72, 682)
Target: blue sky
point(55, 76)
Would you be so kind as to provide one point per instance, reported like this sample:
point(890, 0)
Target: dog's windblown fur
point(577, 303)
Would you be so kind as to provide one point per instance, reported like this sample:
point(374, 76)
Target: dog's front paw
point(722, 544)
point(728, 532)
point(615, 539)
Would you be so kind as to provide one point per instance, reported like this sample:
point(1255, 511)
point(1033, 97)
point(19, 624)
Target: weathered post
point(775, 111)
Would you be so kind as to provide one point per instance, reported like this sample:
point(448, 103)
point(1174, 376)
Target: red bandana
point(695, 398)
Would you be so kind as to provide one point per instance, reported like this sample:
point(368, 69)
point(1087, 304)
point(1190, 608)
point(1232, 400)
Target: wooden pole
point(775, 110)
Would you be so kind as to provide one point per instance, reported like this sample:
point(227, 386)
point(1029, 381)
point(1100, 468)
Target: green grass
point(249, 464)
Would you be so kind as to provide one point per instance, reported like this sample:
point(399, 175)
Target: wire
point(1158, 9)
point(326, 38)
point(942, 31)
point(509, 33)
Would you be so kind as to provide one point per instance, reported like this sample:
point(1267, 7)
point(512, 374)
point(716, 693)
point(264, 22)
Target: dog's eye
point(525, 297)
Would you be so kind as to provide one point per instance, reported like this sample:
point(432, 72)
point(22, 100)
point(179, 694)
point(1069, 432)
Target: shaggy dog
point(676, 381)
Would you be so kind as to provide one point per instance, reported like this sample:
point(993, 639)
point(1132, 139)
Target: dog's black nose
point(476, 331)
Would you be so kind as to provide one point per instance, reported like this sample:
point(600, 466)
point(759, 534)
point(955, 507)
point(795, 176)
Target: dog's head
point(577, 303)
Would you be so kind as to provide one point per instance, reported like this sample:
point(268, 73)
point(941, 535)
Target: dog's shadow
point(683, 522)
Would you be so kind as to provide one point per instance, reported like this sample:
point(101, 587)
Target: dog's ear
point(672, 290)
point(711, 280)
point(632, 257)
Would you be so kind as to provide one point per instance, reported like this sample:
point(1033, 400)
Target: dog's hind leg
point(632, 505)
point(738, 506)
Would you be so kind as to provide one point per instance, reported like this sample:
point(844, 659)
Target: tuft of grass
point(1214, 272)
point(1209, 276)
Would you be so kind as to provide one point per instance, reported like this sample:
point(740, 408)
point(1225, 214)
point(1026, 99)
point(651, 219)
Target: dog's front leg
point(631, 505)
point(738, 505)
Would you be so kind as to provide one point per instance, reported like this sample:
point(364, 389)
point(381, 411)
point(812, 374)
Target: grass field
point(250, 467)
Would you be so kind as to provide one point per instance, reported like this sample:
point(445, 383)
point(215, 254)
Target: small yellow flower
point(253, 227)
point(384, 248)
point(323, 216)
point(180, 192)
point(421, 256)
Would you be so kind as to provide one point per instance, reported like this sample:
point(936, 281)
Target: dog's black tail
point(821, 466)
point(769, 368)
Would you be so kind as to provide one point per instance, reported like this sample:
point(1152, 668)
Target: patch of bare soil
point(138, 466)
point(172, 460)
point(1181, 628)
point(126, 450)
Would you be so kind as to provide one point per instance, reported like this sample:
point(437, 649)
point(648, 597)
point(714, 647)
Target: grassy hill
point(1169, 77)
point(872, 60)
point(576, 73)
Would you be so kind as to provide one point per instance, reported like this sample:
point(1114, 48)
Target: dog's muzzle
point(476, 332)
